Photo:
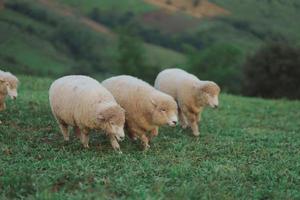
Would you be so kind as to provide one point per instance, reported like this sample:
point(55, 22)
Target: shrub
point(273, 72)
point(219, 63)
point(131, 59)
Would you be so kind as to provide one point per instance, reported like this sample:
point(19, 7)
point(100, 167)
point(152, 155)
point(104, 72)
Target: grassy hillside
point(248, 149)
point(246, 24)
point(29, 41)
point(24, 52)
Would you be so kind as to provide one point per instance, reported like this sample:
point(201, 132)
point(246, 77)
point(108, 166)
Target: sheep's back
point(72, 97)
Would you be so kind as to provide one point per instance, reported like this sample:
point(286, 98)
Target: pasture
point(248, 149)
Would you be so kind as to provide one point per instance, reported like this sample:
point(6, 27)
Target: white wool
point(191, 94)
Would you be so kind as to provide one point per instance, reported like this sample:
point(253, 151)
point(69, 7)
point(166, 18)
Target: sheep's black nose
point(216, 106)
point(14, 98)
point(174, 122)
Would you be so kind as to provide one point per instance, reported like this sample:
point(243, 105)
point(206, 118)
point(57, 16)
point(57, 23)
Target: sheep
point(8, 86)
point(83, 103)
point(191, 94)
point(145, 107)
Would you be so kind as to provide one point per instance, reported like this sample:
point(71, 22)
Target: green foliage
point(273, 72)
point(83, 45)
point(219, 63)
point(248, 149)
point(131, 59)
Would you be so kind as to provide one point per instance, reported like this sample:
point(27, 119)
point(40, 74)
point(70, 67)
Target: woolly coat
point(78, 101)
point(7, 81)
point(142, 103)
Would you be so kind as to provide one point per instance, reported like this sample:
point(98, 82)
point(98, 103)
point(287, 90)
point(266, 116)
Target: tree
point(273, 72)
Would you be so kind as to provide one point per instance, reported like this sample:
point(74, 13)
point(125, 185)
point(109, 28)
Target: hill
point(32, 41)
point(246, 25)
point(248, 149)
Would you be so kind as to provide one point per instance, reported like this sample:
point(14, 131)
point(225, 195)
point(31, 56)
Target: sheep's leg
point(182, 119)
point(64, 129)
point(85, 138)
point(114, 143)
point(77, 131)
point(2, 106)
point(138, 133)
point(193, 123)
point(132, 133)
point(145, 141)
point(154, 133)
point(195, 128)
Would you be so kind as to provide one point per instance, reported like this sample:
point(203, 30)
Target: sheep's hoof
point(0, 122)
point(184, 126)
point(119, 151)
point(134, 138)
point(146, 147)
point(196, 134)
point(117, 148)
point(86, 146)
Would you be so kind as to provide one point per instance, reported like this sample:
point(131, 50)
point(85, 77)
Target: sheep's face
point(165, 112)
point(209, 94)
point(11, 88)
point(112, 120)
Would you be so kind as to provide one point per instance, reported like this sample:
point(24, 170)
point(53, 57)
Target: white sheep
point(191, 94)
point(83, 103)
point(146, 108)
point(8, 86)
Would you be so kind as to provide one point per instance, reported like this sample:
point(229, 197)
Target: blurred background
point(248, 47)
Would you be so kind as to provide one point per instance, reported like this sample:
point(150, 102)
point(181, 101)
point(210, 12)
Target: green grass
point(248, 149)
point(162, 57)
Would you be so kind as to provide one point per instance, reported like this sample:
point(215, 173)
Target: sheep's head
point(165, 111)
point(112, 119)
point(10, 83)
point(209, 94)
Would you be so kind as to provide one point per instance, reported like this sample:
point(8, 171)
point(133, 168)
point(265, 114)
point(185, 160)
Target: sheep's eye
point(163, 110)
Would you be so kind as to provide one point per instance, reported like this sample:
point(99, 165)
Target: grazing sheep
point(191, 94)
point(8, 86)
point(82, 102)
point(146, 108)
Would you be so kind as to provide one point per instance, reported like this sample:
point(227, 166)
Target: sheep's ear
point(207, 88)
point(100, 117)
point(153, 102)
point(123, 110)
point(2, 80)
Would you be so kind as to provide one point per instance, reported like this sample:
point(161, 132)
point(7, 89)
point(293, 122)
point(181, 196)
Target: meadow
point(248, 149)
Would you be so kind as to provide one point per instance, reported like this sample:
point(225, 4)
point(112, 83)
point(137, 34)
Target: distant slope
point(244, 24)
point(29, 42)
point(199, 9)
point(24, 52)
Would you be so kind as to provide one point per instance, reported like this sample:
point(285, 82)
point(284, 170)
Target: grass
point(248, 149)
